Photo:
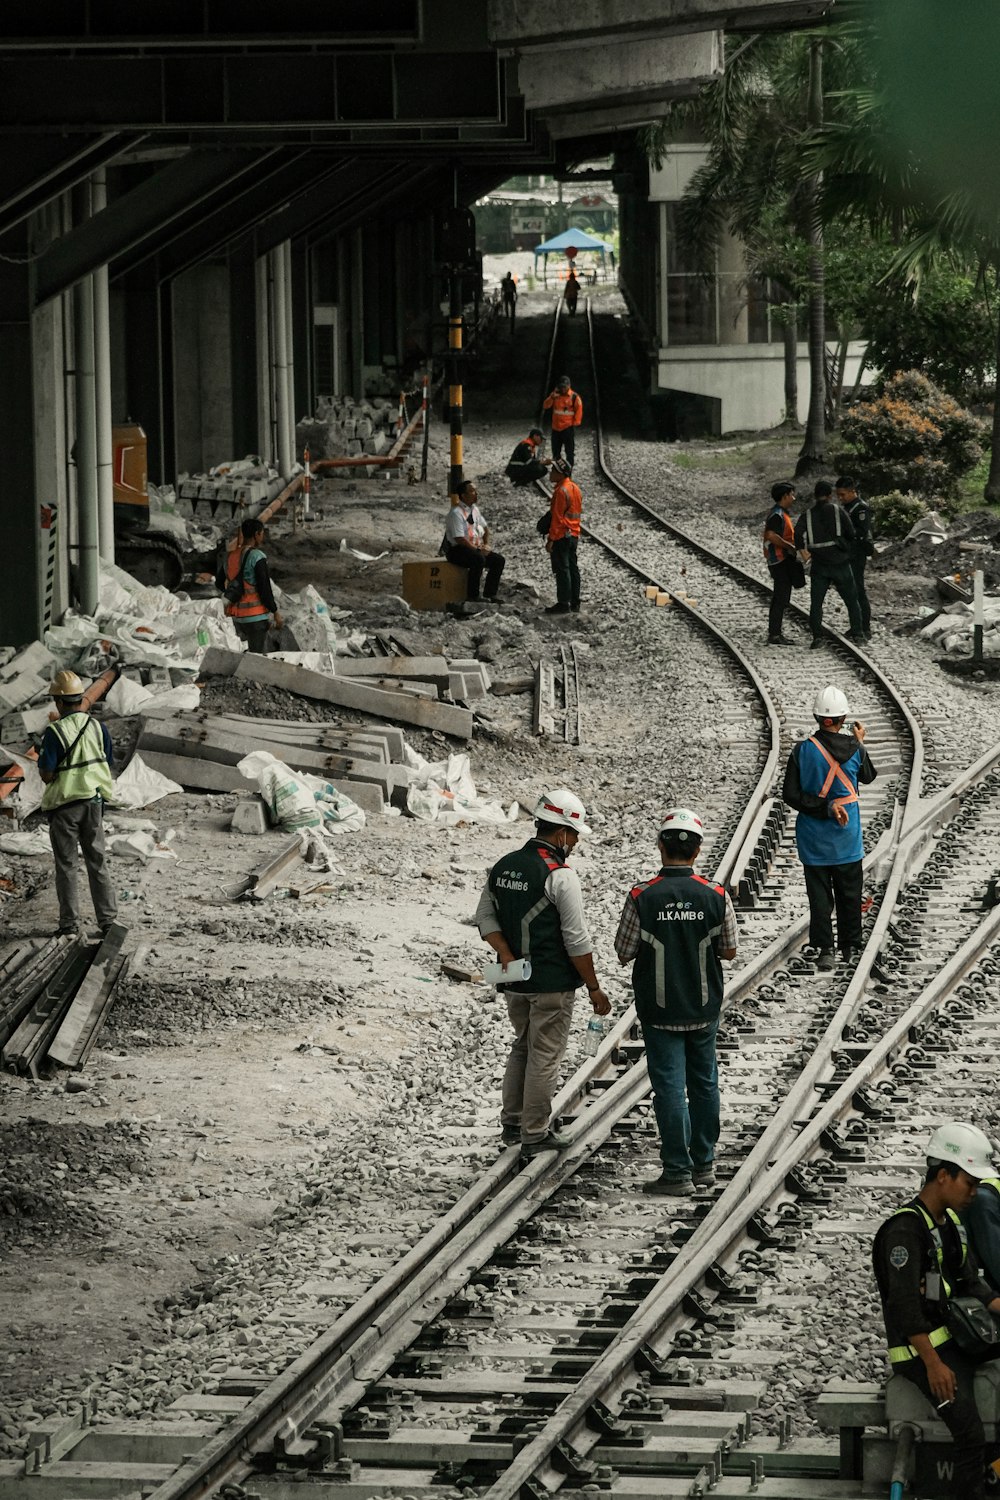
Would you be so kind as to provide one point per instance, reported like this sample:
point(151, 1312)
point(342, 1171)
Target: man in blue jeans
point(675, 929)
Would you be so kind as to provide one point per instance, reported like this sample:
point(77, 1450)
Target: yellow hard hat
point(66, 685)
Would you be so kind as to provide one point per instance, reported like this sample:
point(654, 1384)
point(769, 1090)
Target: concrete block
point(203, 775)
point(34, 720)
point(218, 662)
point(21, 689)
point(400, 707)
point(368, 797)
point(249, 816)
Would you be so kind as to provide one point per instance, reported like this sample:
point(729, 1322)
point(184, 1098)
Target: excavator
point(151, 557)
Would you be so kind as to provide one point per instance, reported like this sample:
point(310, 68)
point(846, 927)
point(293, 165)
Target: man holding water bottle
point(531, 909)
point(675, 930)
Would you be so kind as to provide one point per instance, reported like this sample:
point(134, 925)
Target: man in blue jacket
point(821, 783)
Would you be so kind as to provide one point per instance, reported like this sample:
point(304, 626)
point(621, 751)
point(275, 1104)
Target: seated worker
point(921, 1260)
point(525, 466)
point(466, 543)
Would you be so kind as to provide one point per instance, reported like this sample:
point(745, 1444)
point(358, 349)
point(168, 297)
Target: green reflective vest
point(83, 771)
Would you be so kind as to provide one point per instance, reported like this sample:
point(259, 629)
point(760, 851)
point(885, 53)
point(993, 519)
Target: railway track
point(541, 1336)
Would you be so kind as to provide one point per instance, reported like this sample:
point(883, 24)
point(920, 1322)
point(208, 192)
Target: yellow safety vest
point(83, 772)
point(901, 1352)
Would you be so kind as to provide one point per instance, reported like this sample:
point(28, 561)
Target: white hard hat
point(683, 824)
point(965, 1146)
point(562, 807)
point(830, 703)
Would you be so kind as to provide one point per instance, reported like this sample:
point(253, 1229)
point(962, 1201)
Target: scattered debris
point(55, 997)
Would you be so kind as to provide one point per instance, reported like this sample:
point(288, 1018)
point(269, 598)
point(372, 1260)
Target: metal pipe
point(102, 374)
point(286, 250)
point(265, 427)
point(455, 379)
point(279, 310)
point(88, 554)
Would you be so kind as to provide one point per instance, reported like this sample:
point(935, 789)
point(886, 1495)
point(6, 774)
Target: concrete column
point(51, 443)
point(88, 549)
point(102, 369)
point(734, 318)
point(286, 255)
point(88, 554)
point(279, 300)
point(357, 315)
point(664, 286)
point(266, 446)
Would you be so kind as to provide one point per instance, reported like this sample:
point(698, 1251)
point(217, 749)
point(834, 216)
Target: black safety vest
point(529, 920)
point(677, 976)
point(827, 537)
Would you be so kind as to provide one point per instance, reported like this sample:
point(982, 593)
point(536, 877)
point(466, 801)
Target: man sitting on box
point(466, 543)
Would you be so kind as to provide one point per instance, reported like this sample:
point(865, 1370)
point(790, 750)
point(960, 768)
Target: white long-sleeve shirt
point(562, 888)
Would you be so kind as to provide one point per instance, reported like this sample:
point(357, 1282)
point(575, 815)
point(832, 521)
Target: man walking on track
point(564, 539)
point(571, 292)
point(567, 414)
point(826, 534)
point(75, 763)
point(531, 907)
point(821, 783)
point(863, 546)
point(675, 929)
point(784, 565)
point(508, 296)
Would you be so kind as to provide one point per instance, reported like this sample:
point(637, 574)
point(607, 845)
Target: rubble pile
point(345, 428)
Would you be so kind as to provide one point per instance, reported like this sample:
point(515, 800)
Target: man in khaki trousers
point(532, 908)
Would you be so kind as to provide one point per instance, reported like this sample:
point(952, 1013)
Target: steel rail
point(911, 805)
point(333, 1373)
point(567, 1428)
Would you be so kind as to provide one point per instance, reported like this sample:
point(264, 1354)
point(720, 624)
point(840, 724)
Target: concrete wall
point(201, 342)
point(748, 379)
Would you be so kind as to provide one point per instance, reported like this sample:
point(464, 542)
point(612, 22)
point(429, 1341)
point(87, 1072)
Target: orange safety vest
point(251, 606)
point(835, 772)
point(567, 411)
point(567, 510)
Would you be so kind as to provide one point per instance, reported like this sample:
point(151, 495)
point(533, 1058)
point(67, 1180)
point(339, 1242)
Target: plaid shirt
point(627, 940)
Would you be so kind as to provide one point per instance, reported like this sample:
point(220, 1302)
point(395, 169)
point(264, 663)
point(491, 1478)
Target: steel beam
point(140, 215)
point(156, 24)
point(44, 166)
point(528, 24)
point(269, 91)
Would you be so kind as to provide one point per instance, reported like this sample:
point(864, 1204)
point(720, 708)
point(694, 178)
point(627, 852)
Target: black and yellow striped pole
point(455, 379)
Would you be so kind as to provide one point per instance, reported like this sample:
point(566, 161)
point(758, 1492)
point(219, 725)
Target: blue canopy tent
point(580, 239)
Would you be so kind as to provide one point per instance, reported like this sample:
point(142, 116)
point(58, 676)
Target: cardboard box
point(434, 584)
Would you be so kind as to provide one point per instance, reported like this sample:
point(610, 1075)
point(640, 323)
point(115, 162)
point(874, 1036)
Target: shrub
point(894, 514)
point(912, 437)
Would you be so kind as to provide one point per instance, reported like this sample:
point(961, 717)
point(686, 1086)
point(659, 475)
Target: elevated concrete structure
point(320, 141)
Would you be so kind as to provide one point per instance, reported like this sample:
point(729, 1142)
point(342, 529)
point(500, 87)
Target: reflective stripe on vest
point(937, 1336)
point(564, 411)
point(816, 546)
point(250, 606)
point(835, 771)
point(83, 772)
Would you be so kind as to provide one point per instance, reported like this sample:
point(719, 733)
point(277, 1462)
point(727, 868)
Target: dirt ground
point(261, 1058)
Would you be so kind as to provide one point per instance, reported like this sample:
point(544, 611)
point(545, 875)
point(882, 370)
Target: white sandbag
point(29, 791)
point(21, 842)
point(126, 697)
point(298, 801)
point(183, 699)
point(139, 785)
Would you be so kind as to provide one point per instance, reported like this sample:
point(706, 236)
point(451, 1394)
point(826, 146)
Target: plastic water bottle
point(203, 637)
point(593, 1036)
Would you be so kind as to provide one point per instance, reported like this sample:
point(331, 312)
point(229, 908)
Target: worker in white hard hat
point(75, 763)
point(922, 1263)
point(532, 907)
point(821, 782)
point(675, 929)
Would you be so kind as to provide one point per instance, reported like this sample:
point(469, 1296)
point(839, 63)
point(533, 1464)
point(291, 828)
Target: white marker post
point(978, 619)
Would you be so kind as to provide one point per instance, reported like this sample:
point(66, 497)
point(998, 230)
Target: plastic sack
point(183, 699)
point(444, 792)
point(126, 697)
point(297, 801)
point(141, 846)
point(20, 842)
point(29, 791)
point(139, 785)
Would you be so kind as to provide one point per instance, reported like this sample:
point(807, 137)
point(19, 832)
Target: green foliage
point(914, 437)
point(894, 514)
point(946, 331)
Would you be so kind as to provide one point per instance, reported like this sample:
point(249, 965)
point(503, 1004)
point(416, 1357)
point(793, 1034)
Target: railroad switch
point(805, 1186)
point(567, 1461)
point(615, 1314)
point(871, 1106)
point(840, 1149)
